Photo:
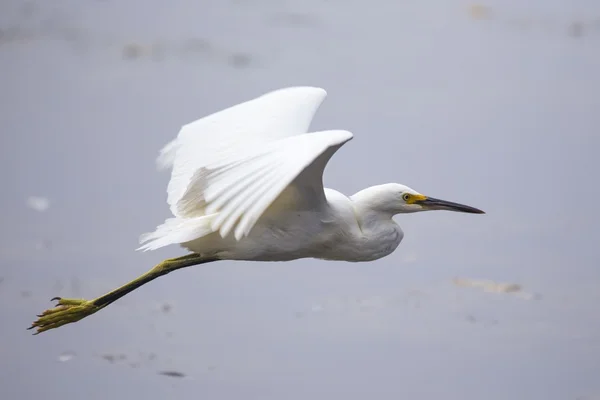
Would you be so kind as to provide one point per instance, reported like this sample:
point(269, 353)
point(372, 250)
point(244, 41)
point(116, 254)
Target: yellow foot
point(65, 312)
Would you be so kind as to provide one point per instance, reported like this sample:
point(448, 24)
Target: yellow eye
point(406, 196)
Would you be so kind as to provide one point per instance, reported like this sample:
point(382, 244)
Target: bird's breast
point(355, 244)
point(373, 245)
point(317, 235)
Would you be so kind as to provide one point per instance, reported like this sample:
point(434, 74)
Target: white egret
point(246, 184)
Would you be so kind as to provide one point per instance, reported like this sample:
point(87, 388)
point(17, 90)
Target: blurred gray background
point(495, 105)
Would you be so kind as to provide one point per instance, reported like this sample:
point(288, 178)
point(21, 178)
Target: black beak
point(437, 204)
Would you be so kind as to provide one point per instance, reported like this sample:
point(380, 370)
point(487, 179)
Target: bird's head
point(395, 198)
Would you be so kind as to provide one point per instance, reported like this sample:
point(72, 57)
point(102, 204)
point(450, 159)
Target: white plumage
point(246, 183)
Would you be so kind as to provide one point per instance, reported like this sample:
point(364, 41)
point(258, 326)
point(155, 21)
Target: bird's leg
point(72, 310)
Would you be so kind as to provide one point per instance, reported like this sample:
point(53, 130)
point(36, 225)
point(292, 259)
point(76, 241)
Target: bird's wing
point(239, 189)
point(235, 131)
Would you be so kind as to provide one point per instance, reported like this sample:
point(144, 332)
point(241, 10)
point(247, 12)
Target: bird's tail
point(175, 231)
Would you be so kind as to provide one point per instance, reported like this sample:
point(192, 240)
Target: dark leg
point(72, 310)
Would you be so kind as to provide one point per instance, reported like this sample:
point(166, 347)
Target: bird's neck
point(371, 222)
point(369, 215)
point(379, 233)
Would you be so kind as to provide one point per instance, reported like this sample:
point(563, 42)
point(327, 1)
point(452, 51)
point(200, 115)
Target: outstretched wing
point(239, 189)
point(236, 163)
point(227, 133)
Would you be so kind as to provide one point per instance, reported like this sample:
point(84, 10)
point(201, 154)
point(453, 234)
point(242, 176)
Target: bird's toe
point(66, 311)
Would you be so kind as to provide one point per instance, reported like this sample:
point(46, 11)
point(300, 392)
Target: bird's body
point(337, 230)
point(247, 184)
point(262, 198)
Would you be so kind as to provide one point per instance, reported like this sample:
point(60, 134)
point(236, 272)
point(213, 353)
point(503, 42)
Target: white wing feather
point(239, 190)
point(230, 166)
point(225, 134)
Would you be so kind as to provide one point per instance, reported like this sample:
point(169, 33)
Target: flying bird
point(247, 184)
